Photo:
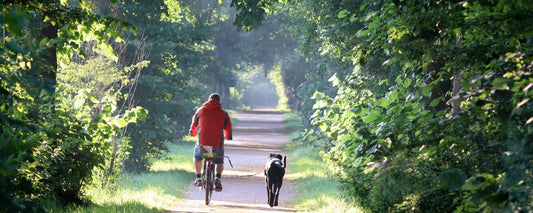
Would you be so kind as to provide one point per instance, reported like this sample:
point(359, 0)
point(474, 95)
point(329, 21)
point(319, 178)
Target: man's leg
point(219, 168)
point(197, 166)
point(219, 162)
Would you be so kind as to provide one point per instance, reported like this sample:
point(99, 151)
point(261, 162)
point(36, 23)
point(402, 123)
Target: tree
point(43, 158)
point(183, 67)
point(421, 92)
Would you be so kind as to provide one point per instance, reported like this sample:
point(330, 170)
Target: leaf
point(407, 82)
point(90, 96)
point(342, 13)
point(15, 21)
point(384, 102)
point(106, 109)
point(323, 127)
point(364, 5)
point(435, 102)
point(121, 122)
point(392, 96)
point(43, 42)
point(141, 113)
point(372, 116)
point(334, 80)
point(427, 90)
point(479, 181)
point(500, 83)
point(399, 79)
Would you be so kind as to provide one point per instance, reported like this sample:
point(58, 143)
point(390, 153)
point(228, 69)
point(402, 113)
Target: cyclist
point(212, 124)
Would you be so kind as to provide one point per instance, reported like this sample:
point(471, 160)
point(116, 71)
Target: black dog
point(274, 172)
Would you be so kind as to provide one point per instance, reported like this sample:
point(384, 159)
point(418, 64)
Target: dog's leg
point(272, 192)
point(273, 195)
point(268, 189)
point(280, 182)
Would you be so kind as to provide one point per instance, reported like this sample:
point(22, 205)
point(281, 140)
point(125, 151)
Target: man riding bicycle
point(212, 124)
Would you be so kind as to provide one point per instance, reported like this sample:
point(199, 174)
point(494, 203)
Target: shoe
point(198, 182)
point(218, 185)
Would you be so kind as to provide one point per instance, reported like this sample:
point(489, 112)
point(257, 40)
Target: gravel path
point(257, 134)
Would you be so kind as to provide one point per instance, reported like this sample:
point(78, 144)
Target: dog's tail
point(284, 161)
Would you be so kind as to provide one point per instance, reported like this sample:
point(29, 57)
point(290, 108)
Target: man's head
point(215, 96)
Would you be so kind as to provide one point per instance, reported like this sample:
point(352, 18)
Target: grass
point(154, 191)
point(111, 208)
point(293, 123)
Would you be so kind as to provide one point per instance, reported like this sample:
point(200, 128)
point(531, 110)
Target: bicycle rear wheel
point(210, 177)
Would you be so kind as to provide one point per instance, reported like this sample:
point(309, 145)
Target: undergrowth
point(160, 188)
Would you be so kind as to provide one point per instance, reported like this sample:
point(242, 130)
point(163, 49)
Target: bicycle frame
point(208, 174)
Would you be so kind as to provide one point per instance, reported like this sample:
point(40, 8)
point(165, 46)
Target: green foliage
point(76, 85)
point(251, 14)
point(276, 78)
point(50, 143)
point(429, 106)
point(60, 154)
point(66, 157)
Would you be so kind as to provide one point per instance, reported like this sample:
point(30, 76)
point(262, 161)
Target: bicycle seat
point(209, 155)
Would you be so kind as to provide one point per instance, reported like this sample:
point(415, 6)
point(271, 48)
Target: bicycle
point(208, 172)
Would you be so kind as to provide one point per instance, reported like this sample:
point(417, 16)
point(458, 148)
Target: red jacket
point(208, 123)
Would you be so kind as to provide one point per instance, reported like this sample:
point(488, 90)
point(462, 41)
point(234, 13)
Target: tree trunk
point(113, 156)
point(49, 73)
point(456, 98)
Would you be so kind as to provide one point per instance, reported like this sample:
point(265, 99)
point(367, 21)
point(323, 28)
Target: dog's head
point(278, 156)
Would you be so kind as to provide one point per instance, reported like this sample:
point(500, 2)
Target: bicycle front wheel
point(210, 177)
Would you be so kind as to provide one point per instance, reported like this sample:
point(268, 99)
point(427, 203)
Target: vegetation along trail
point(257, 134)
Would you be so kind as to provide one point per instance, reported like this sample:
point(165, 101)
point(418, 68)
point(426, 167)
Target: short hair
point(215, 96)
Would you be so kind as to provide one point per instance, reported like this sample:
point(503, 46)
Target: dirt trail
point(257, 134)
